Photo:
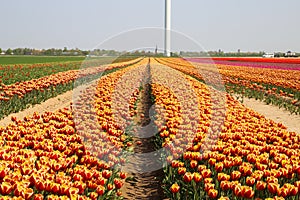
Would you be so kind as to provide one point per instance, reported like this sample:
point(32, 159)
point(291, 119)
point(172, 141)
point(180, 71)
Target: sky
point(256, 25)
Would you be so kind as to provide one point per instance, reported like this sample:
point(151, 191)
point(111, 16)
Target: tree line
point(102, 52)
point(44, 52)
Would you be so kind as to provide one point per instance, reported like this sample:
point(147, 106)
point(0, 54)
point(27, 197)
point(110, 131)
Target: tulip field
point(22, 86)
point(274, 83)
point(213, 147)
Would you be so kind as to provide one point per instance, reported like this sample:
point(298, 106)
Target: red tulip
point(118, 183)
point(4, 171)
point(260, 185)
point(212, 161)
point(6, 188)
point(247, 192)
point(106, 174)
point(273, 187)
point(238, 191)
point(283, 192)
point(225, 185)
point(100, 190)
point(122, 175)
point(250, 181)
point(188, 177)
point(293, 190)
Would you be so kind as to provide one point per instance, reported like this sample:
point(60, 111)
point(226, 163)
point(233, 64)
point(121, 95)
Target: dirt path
point(291, 121)
point(146, 184)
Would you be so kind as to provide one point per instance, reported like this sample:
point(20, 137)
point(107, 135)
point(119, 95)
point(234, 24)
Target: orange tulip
point(38, 197)
point(273, 187)
point(212, 193)
point(225, 185)
point(110, 186)
point(27, 193)
point(224, 198)
point(223, 177)
point(219, 167)
point(193, 164)
point(73, 191)
point(283, 192)
point(235, 175)
point(181, 170)
point(93, 195)
point(212, 161)
point(208, 186)
point(175, 188)
point(206, 173)
point(247, 192)
point(208, 180)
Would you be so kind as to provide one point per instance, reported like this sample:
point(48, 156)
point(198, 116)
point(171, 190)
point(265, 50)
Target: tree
point(8, 51)
point(85, 53)
point(18, 51)
point(0, 50)
point(27, 51)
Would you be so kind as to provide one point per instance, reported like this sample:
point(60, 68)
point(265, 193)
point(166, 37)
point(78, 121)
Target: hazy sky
point(249, 25)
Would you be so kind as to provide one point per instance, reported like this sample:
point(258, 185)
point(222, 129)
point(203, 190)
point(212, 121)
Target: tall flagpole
point(168, 28)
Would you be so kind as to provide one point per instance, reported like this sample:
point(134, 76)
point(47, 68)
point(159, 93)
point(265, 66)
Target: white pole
point(168, 28)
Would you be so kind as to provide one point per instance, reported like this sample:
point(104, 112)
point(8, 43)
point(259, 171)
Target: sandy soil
point(291, 121)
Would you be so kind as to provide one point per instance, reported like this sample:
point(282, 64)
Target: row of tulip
point(249, 157)
point(261, 60)
point(68, 154)
point(107, 111)
point(20, 95)
point(10, 74)
point(274, 87)
point(212, 152)
point(19, 73)
point(43, 158)
point(283, 66)
point(281, 78)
